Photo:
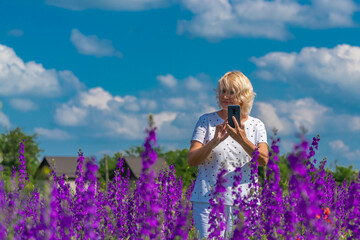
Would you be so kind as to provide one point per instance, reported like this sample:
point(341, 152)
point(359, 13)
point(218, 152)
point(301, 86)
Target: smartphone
point(234, 110)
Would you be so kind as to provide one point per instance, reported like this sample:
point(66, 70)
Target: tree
point(135, 151)
point(341, 173)
point(179, 159)
point(9, 148)
point(112, 160)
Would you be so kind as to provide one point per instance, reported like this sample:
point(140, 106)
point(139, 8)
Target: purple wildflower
point(217, 206)
point(77, 206)
point(22, 167)
point(52, 228)
point(272, 200)
point(353, 206)
point(3, 230)
point(247, 205)
point(91, 222)
point(79, 173)
point(149, 206)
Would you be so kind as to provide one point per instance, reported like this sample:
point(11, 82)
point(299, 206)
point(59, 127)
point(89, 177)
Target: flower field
point(314, 207)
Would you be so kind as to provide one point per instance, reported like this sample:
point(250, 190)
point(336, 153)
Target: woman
point(216, 144)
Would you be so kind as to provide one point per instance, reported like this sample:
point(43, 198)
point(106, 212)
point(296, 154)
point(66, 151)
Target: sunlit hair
point(241, 85)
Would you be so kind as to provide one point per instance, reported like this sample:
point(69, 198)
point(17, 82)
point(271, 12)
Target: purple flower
point(217, 214)
point(147, 198)
point(271, 197)
point(22, 167)
point(91, 222)
point(79, 173)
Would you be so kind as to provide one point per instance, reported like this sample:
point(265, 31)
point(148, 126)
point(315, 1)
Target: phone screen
point(234, 110)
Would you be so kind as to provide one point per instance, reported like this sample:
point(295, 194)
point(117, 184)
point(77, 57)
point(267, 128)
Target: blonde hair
point(241, 85)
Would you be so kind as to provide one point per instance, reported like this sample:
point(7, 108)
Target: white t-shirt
point(229, 152)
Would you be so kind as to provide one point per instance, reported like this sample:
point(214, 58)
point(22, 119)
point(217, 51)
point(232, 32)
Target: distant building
point(67, 166)
point(135, 166)
point(62, 165)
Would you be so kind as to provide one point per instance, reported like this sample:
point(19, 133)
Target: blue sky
point(87, 73)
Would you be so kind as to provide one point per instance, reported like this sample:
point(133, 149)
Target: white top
point(229, 152)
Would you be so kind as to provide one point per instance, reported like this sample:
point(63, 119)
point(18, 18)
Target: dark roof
point(135, 165)
point(63, 165)
point(67, 165)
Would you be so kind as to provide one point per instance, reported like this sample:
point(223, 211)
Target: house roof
point(67, 165)
point(63, 165)
point(135, 165)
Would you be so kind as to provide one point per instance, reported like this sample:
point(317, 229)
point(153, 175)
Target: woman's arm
point(239, 135)
point(249, 148)
point(199, 152)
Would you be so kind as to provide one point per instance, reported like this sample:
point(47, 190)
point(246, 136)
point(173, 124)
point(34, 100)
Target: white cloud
point(15, 33)
point(207, 109)
point(216, 19)
point(31, 78)
point(56, 134)
point(353, 155)
point(23, 104)
point(4, 120)
point(339, 66)
point(102, 100)
point(104, 114)
point(92, 45)
point(98, 107)
point(354, 123)
point(113, 5)
point(125, 125)
point(68, 115)
point(176, 103)
point(132, 126)
point(148, 104)
point(161, 118)
point(97, 97)
point(168, 80)
point(338, 146)
point(288, 116)
point(304, 112)
point(70, 81)
point(193, 84)
point(17, 77)
point(131, 103)
point(271, 119)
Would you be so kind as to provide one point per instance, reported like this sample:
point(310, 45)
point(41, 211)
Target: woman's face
point(227, 97)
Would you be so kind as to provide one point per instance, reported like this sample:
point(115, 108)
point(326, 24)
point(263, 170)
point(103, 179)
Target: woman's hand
point(220, 133)
point(237, 133)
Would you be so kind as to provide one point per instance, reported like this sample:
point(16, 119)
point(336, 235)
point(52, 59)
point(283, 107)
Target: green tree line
point(10, 145)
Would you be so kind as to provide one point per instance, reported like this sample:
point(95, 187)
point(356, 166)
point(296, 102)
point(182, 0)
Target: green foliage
point(284, 172)
point(135, 151)
point(9, 148)
point(112, 160)
point(179, 159)
point(9, 156)
point(341, 173)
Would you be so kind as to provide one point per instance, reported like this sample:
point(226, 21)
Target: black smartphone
point(234, 110)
